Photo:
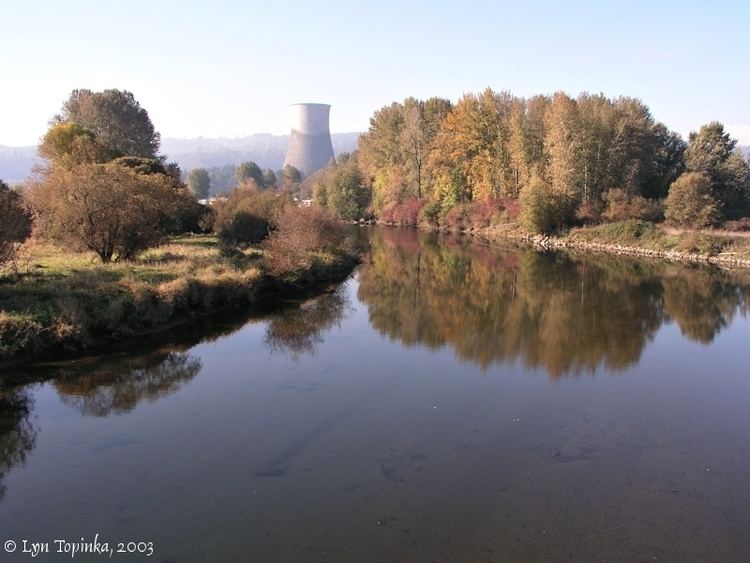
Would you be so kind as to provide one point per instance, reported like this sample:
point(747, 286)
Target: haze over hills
point(264, 149)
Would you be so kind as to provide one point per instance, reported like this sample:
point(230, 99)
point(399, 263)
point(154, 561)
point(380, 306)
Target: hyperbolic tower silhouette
point(310, 146)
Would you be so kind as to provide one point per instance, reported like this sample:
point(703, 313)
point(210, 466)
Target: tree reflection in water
point(565, 314)
point(17, 433)
point(117, 387)
point(299, 330)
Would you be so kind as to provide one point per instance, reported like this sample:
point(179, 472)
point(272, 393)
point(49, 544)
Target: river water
point(452, 401)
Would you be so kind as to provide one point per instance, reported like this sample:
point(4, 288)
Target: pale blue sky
point(225, 68)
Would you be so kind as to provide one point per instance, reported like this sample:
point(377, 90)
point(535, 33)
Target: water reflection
point(568, 315)
point(17, 432)
point(119, 387)
point(298, 330)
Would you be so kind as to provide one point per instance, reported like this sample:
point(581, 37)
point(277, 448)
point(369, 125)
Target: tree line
point(203, 182)
point(550, 162)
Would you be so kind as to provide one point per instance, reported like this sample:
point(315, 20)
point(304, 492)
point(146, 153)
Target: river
point(451, 401)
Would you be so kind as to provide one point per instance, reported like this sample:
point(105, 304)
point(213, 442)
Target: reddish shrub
point(512, 208)
point(301, 236)
point(621, 206)
point(386, 214)
point(589, 213)
point(457, 218)
point(482, 213)
point(407, 213)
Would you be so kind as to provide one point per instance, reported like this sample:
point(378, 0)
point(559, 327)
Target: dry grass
point(55, 299)
point(647, 235)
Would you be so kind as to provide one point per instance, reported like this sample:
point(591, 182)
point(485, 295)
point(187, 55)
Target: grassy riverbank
point(635, 238)
point(647, 239)
point(61, 302)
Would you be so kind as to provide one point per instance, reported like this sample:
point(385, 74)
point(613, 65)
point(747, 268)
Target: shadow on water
point(565, 314)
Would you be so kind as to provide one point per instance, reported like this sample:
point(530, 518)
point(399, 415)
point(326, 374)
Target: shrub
point(482, 213)
point(107, 208)
point(690, 202)
point(457, 218)
point(542, 209)
point(701, 243)
point(512, 208)
point(15, 223)
point(386, 214)
point(589, 213)
point(406, 214)
point(646, 209)
point(621, 206)
point(249, 215)
point(430, 213)
point(303, 236)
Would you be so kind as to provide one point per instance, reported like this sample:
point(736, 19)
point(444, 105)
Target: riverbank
point(61, 303)
point(634, 238)
point(640, 238)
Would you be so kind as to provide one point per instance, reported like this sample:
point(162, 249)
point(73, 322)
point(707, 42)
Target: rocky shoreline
point(543, 242)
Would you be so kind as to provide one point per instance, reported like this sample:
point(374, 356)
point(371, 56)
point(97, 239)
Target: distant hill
point(746, 150)
point(264, 149)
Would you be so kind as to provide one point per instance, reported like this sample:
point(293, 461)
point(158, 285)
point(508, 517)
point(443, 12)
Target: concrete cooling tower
point(310, 147)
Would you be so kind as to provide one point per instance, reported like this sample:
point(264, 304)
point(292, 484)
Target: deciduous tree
point(199, 183)
point(249, 171)
point(109, 209)
point(116, 119)
point(713, 152)
point(15, 222)
point(691, 202)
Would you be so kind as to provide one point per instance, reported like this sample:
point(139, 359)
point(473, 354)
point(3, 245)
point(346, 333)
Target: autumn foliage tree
point(115, 118)
point(109, 209)
point(103, 187)
point(712, 152)
point(15, 222)
point(691, 202)
point(492, 146)
point(339, 188)
point(393, 153)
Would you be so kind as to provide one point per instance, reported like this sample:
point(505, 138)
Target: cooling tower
point(310, 147)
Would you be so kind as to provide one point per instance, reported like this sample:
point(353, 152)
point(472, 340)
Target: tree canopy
point(115, 118)
point(339, 188)
point(584, 159)
point(199, 182)
point(712, 152)
point(249, 171)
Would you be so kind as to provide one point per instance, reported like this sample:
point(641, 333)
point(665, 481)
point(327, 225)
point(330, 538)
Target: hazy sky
point(224, 68)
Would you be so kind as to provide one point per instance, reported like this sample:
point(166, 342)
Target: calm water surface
point(451, 402)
